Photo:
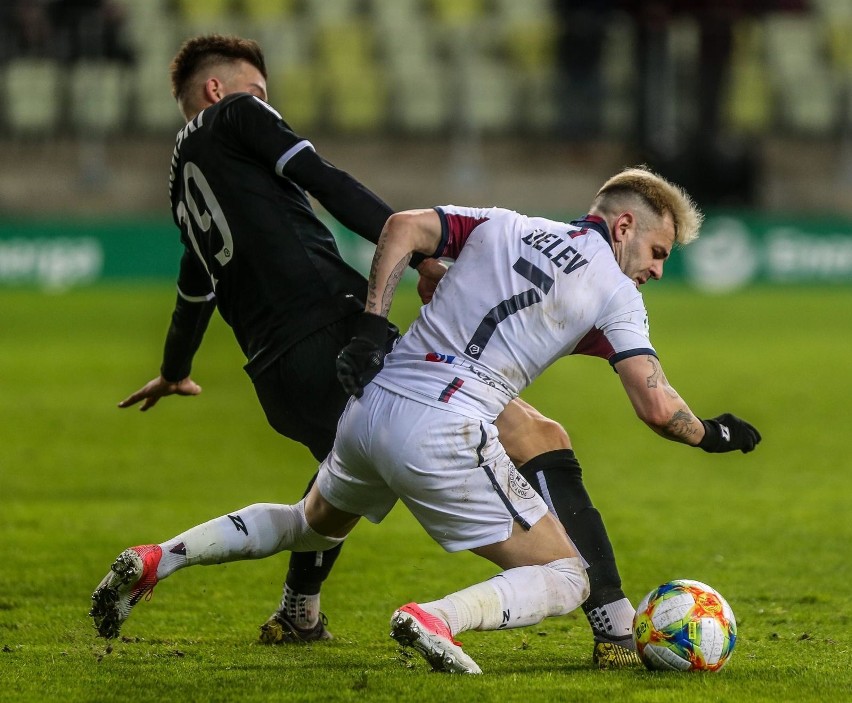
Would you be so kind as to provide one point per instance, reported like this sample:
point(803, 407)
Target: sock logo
point(179, 549)
point(506, 616)
point(239, 524)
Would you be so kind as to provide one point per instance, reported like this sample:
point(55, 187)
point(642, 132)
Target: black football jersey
point(238, 183)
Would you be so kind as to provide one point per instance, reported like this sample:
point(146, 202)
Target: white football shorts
point(449, 470)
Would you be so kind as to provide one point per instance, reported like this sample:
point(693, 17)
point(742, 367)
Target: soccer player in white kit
point(523, 291)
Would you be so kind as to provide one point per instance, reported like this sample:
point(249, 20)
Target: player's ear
point(624, 223)
point(213, 90)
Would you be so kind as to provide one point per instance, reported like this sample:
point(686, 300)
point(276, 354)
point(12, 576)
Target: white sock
point(254, 532)
point(303, 611)
point(613, 619)
point(515, 598)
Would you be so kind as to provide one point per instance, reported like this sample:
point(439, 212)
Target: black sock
point(558, 478)
point(308, 570)
point(305, 576)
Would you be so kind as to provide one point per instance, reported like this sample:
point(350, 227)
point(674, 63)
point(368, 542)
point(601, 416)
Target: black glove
point(364, 356)
point(727, 433)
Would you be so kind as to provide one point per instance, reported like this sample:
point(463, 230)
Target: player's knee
point(294, 533)
point(550, 434)
point(570, 585)
point(308, 539)
point(312, 541)
point(528, 434)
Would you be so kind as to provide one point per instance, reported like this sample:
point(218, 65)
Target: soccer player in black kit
point(255, 249)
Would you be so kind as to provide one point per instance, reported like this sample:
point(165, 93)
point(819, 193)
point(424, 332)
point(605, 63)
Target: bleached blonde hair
point(657, 194)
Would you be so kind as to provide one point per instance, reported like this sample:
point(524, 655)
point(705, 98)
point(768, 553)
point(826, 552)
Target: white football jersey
point(523, 291)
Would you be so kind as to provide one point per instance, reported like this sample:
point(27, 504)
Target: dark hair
point(201, 52)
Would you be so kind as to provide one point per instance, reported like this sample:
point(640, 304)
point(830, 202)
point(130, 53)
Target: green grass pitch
point(80, 480)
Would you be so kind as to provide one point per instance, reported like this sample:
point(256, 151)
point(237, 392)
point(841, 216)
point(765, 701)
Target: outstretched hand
point(727, 433)
point(157, 388)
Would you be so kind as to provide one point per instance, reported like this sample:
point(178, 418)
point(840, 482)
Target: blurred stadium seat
point(296, 90)
point(490, 92)
point(459, 13)
point(285, 44)
point(749, 102)
point(356, 99)
point(98, 92)
point(617, 109)
point(345, 45)
point(529, 40)
point(391, 16)
point(155, 109)
point(205, 15)
point(32, 96)
point(794, 50)
point(421, 64)
point(332, 11)
point(417, 75)
point(265, 11)
point(418, 98)
point(452, 69)
point(355, 88)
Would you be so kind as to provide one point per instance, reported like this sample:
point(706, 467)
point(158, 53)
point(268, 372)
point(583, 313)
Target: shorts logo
point(519, 485)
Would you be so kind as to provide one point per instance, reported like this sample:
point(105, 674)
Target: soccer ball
point(684, 625)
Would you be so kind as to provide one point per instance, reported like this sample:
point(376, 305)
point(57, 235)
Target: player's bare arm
point(682, 426)
point(657, 378)
point(403, 234)
point(664, 411)
point(656, 403)
point(379, 300)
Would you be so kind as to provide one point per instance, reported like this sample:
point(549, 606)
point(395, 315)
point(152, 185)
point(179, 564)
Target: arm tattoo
point(380, 301)
point(681, 425)
point(658, 377)
point(656, 372)
point(393, 282)
point(374, 267)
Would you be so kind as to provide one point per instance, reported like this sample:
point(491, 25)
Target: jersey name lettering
point(191, 126)
point(554, 248)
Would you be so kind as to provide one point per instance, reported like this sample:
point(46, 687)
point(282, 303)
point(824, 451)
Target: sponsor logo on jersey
point(440, 358)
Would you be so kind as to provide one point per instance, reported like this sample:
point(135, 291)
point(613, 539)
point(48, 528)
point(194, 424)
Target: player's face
point(243, 78)
point(644, 250)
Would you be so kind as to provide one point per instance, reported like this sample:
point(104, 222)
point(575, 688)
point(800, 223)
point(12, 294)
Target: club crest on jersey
point(440, 358)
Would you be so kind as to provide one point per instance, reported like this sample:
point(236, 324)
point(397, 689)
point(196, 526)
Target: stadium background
point(528, 105)
point(476, 102)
